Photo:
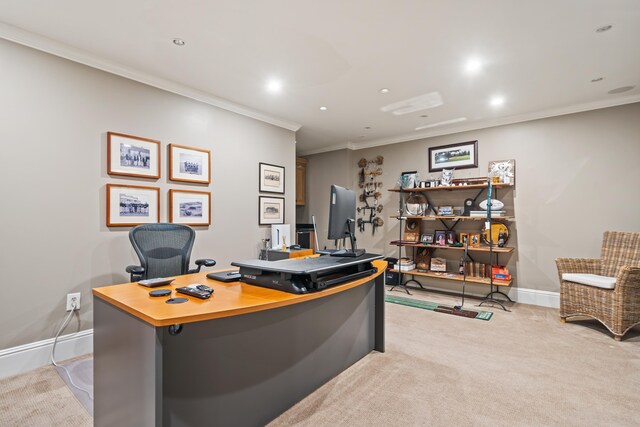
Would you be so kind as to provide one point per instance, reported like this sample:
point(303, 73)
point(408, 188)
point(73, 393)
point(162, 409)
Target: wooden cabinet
point(301, 175)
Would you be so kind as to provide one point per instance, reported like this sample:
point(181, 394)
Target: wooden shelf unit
point(454, 217)
point(452, 188)
point(496, 249)
point(453, 276)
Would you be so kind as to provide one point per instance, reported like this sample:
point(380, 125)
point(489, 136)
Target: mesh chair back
point(619, 249)
point(164, 249)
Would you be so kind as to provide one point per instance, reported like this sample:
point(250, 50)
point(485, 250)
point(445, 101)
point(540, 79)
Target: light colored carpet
point(523, 368)
point(40, 398)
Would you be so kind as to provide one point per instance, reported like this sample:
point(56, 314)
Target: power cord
point(55, 342)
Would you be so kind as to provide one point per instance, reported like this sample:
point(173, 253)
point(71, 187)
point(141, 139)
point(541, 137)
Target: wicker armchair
point(613, 294)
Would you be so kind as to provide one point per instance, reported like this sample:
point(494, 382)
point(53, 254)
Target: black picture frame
point(266, 213)
point(450, 237)
point(271, 178)
point(449, 156)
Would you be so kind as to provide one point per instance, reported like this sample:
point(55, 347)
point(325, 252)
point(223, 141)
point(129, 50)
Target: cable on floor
point(55, 342)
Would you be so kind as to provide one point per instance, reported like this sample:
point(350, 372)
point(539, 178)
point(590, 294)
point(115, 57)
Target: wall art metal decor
point(270, 210)
point(129, 155)
point(189, 164)
point(130, 205)
point(459, 156)
point(271, 178)
point(190, 207)
point(370, 170)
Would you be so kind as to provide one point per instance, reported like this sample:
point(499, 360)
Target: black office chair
point(164, 251)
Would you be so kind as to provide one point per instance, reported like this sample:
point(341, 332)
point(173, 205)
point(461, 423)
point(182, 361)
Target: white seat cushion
point(603, 282)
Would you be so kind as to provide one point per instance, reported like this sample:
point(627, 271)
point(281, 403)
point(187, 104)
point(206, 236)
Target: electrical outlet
point(71, 298)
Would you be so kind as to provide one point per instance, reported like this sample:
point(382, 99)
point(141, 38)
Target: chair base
point(563, 319)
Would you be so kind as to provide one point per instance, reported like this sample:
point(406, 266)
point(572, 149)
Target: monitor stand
point(353, 252)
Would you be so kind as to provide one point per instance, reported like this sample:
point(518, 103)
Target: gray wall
point(576, 176)
point(54, 117)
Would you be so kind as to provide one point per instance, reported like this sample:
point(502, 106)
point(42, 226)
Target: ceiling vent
point(419, 103)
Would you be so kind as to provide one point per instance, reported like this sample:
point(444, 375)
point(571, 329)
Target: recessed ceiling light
point(620, 89)
point(384, 90)
point(274, 86)
point(604, 28)
point(473, 66)
point(446, 122)
point(597, 79)
point(367, 127)
point(178, 42)
point(497, 101)
point(323, 108)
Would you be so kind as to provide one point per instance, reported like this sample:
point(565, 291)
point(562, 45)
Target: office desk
point(240, 358)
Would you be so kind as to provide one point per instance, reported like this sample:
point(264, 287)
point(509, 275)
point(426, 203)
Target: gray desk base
point(242, 371)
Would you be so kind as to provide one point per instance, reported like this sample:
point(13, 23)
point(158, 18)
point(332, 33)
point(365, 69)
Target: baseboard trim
point(24, 358)
point(520, 295)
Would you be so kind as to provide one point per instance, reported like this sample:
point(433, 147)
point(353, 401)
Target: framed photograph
point(270, 210)
point(408, 179)
point(451, 237)
point(427, 239)
point(462, 238)
point(474, 239)
point(503, 171)
point(271, 178)
point(129, 155)
point(459, 156)
point(412, 230)
point(189, 164)
point(441, 238)
point(130, 205)
point(190, 207)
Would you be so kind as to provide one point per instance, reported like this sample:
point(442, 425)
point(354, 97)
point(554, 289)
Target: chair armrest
point(628, 280)
point(200, 262)
point(136, 272)
point(578, 265)
point(135, 269)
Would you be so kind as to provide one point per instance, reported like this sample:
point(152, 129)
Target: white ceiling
point(540, 55)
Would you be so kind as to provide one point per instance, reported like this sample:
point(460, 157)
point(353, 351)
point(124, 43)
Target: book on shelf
point(484, 213)
point(405, 267)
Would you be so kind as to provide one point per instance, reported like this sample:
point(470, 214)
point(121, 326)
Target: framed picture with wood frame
point(189, 164)
point(190, 207)
point(454, 156)
point(130, 205)
point(270, 210)
point(129, 155)
point(271, 178)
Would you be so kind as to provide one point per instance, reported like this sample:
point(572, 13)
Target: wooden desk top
point(228, 299)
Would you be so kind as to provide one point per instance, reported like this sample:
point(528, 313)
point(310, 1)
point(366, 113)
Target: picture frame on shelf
point(408, 179)
point(135, 156)
point(131, 205)
point(271, 178)
point(462, 155)
point(189, 164)
point(462, 238)
point(190, 207)
point(474, 239)
point(427, 239)
point(502, 171)
point(270, 210)
point(450, 237)
point(441, 238)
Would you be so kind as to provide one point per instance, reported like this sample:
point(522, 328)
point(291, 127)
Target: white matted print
point(189, 164)
point(129, 155)
point(270, 210)
point(190, 207)
point(271, 178)
point(129, 205)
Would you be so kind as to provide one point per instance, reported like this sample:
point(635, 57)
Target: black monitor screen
point(342, 212)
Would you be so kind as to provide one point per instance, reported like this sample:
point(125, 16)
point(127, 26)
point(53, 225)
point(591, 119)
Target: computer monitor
point(342, 214)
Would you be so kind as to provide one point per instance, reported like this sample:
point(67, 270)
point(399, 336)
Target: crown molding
point(485, 124)
point(45, 44)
